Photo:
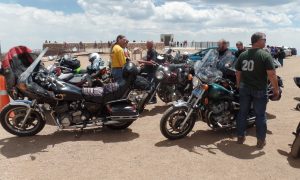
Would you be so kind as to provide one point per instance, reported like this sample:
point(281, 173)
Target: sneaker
point(260, 143)
point(241, 139)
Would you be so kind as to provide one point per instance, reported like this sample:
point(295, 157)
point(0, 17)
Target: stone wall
point(61, 48)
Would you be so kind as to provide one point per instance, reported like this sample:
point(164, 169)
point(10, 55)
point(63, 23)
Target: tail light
point(57, 71)
point(103, 71)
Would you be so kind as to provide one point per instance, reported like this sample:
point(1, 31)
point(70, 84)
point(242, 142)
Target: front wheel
point(171, 121)
point(119, 126)
point(295, 151)
point(12, 117)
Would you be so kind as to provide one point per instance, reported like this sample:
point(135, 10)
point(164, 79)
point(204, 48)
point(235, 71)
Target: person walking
point(253, 69)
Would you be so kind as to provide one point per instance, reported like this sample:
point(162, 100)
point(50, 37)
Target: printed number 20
point(248, 65)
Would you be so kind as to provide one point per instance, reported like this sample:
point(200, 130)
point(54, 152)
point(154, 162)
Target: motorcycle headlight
point(196, 82)
point(159, 75)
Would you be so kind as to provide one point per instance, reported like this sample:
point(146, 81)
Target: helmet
point(129, 70)
point(94, 56)
point(185, 53)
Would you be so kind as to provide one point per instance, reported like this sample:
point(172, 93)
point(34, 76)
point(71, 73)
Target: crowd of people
point(253, 69)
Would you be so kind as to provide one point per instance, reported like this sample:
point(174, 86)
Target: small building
point(166, 39)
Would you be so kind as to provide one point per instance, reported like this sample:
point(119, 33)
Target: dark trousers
point(259, 99)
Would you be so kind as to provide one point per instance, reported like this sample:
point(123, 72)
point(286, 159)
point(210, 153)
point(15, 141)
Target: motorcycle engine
point(69, 114)
point(221, 114)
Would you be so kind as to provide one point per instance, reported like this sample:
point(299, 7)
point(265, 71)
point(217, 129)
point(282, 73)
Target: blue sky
point(31, 22)
point(67, 6)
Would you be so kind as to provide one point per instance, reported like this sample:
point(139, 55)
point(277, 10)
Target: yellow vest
point(118, 58)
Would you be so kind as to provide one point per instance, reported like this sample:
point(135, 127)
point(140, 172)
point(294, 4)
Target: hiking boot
point(241, 139)
point(260, 143)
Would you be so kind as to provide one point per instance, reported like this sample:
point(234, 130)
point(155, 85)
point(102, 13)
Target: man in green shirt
point(254, 68)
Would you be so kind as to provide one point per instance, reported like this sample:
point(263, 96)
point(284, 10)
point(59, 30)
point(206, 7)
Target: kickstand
point(79, 133)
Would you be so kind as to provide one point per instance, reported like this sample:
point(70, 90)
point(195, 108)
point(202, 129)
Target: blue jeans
point(259, 99)
point(117, 74)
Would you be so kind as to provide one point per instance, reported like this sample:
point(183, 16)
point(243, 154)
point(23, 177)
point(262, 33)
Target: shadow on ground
point(18, 146)
point(158, 109)
point(295, 163)
point(215, 141)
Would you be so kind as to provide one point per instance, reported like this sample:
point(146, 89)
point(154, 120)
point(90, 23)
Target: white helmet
point(185, 53)
point(94, 56)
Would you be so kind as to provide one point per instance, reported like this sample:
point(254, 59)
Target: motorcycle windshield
point(206, 69)
point(29, 70)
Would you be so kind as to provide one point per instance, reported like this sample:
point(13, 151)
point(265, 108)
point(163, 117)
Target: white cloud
point(142, 20)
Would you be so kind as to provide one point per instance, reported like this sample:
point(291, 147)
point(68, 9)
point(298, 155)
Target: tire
point(162, 93)
point(19, 114)
point(120, 126)
point(298, 107)
point(168, 115)
point(295, 151)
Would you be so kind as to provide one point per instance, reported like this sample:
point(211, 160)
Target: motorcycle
point(209, 101)
point(214, 100)
point(171, 81)
point(69, 71)
point(67, 105)
point(297, 82)
point(295, 151)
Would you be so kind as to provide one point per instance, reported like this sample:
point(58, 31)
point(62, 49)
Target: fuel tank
point(68, 92)
point(218, 92)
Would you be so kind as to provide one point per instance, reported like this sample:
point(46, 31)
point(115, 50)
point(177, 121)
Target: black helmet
point(129, 70)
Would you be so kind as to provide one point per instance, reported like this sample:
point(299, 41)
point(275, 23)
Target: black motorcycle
point(297, 82)
point(171, 81)
point(67, 105)
point(295, 151)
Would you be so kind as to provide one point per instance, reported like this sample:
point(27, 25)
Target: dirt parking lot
point(141, 152)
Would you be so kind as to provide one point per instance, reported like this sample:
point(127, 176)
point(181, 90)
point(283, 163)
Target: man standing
point(225, 57)
point(240, 49)
point(148, 67)
point(118, 58)
point(254, 68)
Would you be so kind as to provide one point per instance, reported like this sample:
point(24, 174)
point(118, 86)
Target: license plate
point(196, 92)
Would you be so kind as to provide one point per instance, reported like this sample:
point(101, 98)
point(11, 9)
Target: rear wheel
point(298, 107)
point(171, 121)
point(295, 151)
point(12, 117)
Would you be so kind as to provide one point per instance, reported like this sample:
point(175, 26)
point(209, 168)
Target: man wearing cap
point(254, 68)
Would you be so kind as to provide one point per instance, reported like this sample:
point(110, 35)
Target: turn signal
point(22, 86)
point(205, 87)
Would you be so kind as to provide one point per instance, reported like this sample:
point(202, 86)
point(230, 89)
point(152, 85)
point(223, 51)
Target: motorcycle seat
point(176, 66)
point(108, 92)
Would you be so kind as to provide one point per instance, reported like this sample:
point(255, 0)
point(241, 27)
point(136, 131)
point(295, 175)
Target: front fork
point(28, 112)
point(153, 93)
point(191, 108)
point(32, 107)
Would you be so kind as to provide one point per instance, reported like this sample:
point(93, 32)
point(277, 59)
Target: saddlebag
point(122, 110)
